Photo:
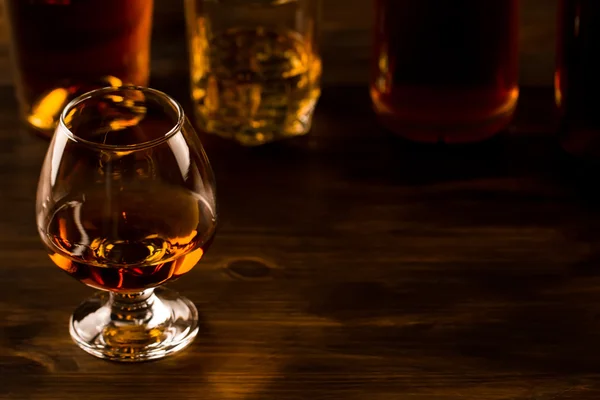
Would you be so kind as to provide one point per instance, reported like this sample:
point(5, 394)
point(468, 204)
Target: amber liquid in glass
point(62, 48)
point(577, 78)
point(132, 241)
point(445, 71)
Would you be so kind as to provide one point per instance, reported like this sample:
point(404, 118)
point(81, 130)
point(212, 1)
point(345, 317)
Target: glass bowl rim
point(177, 127)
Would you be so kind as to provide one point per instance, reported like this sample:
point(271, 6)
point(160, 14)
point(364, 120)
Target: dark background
point(345, 38)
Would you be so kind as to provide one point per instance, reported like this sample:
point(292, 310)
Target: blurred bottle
point(62, 48)
point(445, 70)
point(5, 73)
point(577, 78)
point(255, 67)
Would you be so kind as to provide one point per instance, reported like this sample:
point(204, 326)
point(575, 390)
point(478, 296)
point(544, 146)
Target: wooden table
point(350, 266)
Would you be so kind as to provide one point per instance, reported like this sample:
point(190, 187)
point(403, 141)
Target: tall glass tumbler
point(63, 48)
point(255, 67)
point(577, 81)
point(445, 71)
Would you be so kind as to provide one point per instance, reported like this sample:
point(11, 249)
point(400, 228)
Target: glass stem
point(132, 308)
point(136, 320)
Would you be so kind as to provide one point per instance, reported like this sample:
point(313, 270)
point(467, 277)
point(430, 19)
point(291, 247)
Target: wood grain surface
point(348, 265)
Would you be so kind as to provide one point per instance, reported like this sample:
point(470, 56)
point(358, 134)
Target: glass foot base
point(134, 327)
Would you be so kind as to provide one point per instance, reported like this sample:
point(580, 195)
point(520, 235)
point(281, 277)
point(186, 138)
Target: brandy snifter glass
point(125, 203)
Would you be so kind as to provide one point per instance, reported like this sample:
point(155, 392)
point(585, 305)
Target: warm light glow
point(383, 61)
point(185, 264)
point(383, 78)
point(557, 90)
point(184, 240)
point(45, 113)
point(113, 81)
point(62, 262)
point(62, 228)
point(115, 98)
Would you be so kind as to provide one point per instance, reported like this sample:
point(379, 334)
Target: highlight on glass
point(126, 203)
